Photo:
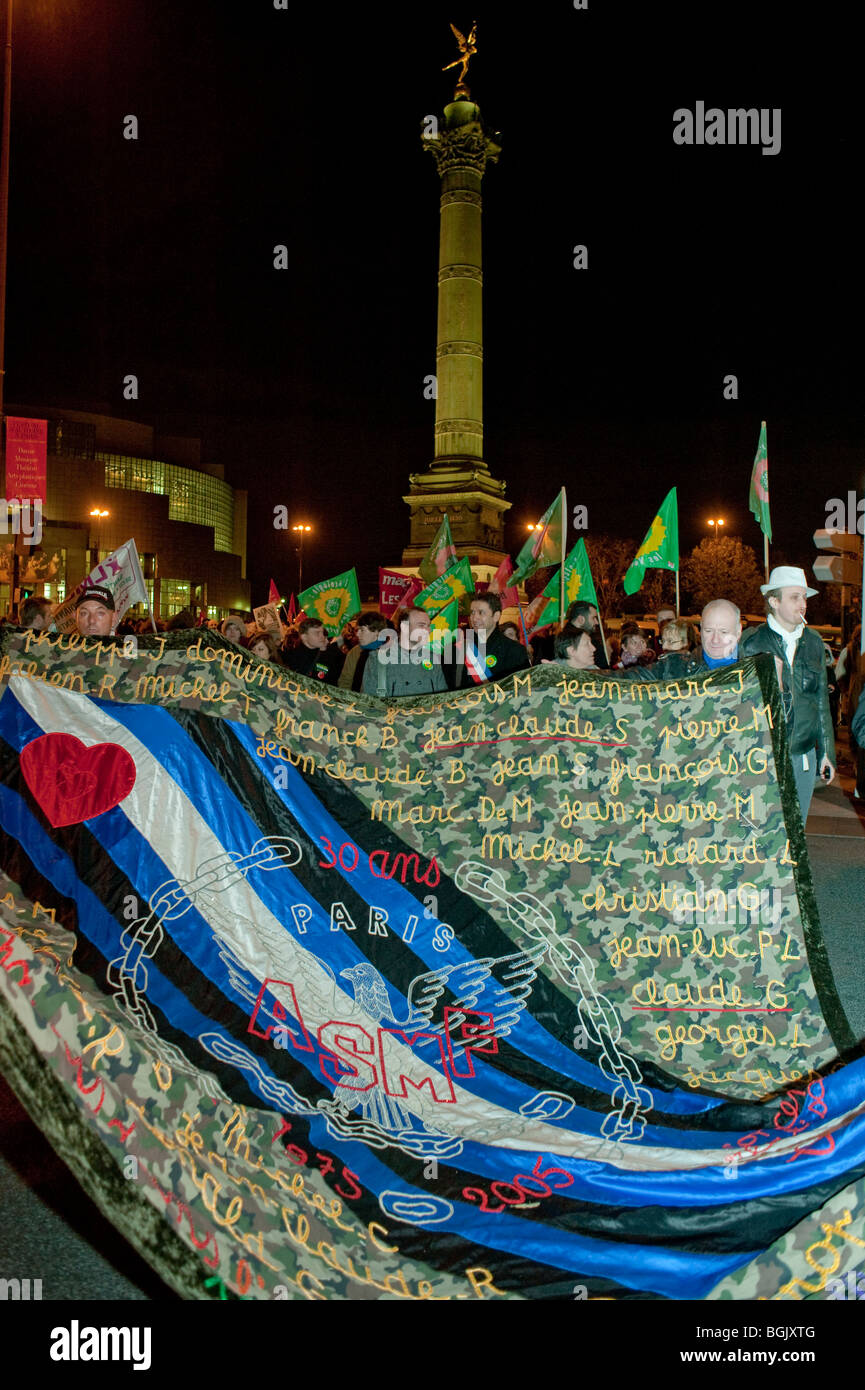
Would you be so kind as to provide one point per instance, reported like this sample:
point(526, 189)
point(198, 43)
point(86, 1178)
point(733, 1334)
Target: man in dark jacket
point(314, 656)
point(801, 667)
point(498, 656)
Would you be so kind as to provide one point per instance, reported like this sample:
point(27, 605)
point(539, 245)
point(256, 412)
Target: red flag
point(292, 610)
point(416, 587)
point(499, 584)
point(274, 594)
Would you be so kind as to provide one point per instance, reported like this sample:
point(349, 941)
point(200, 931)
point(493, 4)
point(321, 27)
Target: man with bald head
point(720, 630)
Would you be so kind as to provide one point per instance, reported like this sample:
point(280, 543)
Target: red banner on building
point(26, 458)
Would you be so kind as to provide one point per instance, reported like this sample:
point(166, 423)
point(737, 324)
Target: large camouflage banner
point(514, 992)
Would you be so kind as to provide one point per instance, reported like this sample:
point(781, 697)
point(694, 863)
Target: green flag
point(441, 554)
point(758, 500)
point(455, 582)
point(578, 584)
point(545, 545)
point(446, 621)
point(333, 601)
point(660, 549)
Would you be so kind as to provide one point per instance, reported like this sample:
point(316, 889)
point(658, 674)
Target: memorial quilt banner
point(515, 992)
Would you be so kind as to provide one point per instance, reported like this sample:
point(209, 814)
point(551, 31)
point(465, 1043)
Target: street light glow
point(716, 521)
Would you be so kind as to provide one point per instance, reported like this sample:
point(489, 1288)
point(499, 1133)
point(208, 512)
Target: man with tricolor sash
point(496, 655)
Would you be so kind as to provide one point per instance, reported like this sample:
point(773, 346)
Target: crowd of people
point(400, 657)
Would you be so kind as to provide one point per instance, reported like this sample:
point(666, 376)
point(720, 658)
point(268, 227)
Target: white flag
point(121, 573)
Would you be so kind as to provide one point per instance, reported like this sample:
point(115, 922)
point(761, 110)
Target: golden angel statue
point(468, 48)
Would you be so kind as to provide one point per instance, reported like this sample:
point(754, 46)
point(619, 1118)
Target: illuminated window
point(174, 597)
point(192, 496)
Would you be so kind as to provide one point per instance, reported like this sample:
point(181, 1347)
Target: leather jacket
point(805, 690)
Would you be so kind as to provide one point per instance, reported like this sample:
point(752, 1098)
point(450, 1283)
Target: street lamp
point(94, 553)
point(301, 529)
point(715, 522)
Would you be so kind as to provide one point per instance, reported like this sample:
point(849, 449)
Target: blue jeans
point(805, 779)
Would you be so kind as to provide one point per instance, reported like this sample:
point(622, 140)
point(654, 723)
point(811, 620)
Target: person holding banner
point(95, 613)
point(404, 665)
point(233, 630)
point(801, 667)
point(371, 628)
point(36, 613)
point(576, 649)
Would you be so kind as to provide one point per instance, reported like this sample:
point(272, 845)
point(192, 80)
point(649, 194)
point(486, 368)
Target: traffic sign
point(829, 538)
point(838, 569)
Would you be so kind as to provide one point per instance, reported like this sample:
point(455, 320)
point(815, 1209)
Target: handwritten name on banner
point(629, 810)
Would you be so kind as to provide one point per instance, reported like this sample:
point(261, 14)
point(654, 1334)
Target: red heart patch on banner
point(72, 782)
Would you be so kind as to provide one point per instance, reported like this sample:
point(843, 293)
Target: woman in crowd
point(635, 649)
point(234, 630)
point(575, 648)
point(264, 644)
point(675, 637)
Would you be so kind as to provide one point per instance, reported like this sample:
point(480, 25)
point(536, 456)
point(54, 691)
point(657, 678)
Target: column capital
point(464, 147)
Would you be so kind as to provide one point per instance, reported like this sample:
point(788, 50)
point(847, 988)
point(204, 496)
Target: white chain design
point(127, 973)
point(597, 1014)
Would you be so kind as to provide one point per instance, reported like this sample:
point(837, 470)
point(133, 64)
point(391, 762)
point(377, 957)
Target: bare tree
point(609, 558)
point(722, 567)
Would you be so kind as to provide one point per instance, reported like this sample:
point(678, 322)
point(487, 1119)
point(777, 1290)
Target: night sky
point(260, 126)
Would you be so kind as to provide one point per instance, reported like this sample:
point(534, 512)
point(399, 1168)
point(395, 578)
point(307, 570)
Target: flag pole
point(562, 618)
point(678, 613)
point(603, 637)
point(766, 555)
point(523, 625)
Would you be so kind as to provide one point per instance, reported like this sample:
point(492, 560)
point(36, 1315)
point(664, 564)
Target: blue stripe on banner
point(169, 745)
point(841, 1087)
point(528, 1035)
point(230, 822)
point(640, 1267)
point(132, 856)
point(647, 1268)
point(575, 1253)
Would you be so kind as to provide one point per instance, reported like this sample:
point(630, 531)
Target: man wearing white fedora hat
point(801, 666)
